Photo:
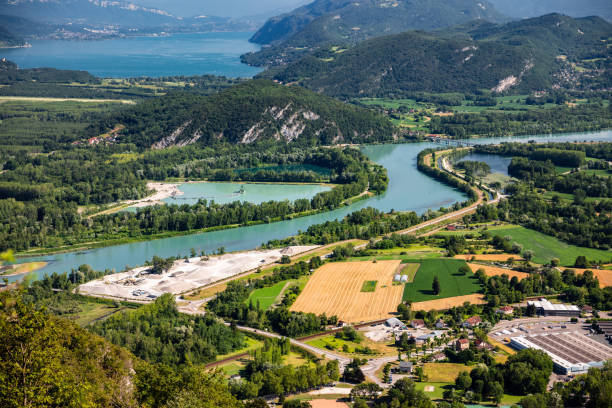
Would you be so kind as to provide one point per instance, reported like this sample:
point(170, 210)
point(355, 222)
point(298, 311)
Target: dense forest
point(40, 195)
point(492, 123)
point(159, 333)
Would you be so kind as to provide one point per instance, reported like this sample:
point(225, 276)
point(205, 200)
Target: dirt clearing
point(335, 289)
point(447, 303)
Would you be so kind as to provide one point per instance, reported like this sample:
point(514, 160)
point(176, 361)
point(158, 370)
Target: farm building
point(394, 322)
point(544, 307)
point(397, 278)
point(571, 352)
point(404, 279)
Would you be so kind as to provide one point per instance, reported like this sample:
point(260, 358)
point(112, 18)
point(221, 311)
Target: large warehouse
point(544, 307)
point(571, 352)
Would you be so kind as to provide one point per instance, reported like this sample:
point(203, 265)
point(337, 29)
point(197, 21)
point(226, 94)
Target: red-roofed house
point(417, 324)
point(506, 310)
point(462, 344)
point(472, 322)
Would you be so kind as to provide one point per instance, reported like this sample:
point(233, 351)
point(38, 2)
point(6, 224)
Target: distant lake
point(178, 54)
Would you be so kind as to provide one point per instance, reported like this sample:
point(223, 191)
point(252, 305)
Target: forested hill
point(520, 56)
point(532, 8)
point(246, 113)
point(347, 22)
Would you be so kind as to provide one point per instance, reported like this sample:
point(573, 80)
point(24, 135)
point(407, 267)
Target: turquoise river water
point(409, 190)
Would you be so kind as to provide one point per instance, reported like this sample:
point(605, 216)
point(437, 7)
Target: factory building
point(545, 308)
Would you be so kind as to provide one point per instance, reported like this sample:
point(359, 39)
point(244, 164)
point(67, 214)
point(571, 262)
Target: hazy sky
point(229, 8)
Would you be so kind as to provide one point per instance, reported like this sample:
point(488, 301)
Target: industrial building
point(605, 327)
point(571, 352)
point(545, 308)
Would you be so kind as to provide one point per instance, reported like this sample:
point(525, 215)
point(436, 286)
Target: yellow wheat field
point(447, 303)
point(604, 275)
point(335, 289)
point(494, 271)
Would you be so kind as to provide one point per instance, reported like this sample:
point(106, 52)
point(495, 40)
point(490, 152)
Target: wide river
point(177, 54)
point(409, 190)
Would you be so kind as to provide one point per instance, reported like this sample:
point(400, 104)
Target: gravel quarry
point(140, 284)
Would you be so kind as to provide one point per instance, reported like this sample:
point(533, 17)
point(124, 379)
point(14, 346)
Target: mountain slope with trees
point(249, 112)
point(530, 8)
point(324, 22)
point(528, 55)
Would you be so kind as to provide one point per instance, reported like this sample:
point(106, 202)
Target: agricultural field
point(452, 283)
point(335, 289)
point(369, 286)
point(495, 271)
point(443, 372)
point(410, 270)
point(489, 257)
point(603, 275)
point(546, 247)
point(266, 297)
point(447, 303)
point(332, 342)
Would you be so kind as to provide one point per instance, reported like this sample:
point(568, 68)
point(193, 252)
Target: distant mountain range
point(573, 8)
point(526, 55)
point(292, 35)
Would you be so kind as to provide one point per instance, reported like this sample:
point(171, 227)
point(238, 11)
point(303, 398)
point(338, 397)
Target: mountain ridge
point(527, 55)
point(290, 36)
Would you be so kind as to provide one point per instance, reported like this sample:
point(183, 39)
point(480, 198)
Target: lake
point(409, 190)
point(177, 54)
point(224, 193)
point(498, 164)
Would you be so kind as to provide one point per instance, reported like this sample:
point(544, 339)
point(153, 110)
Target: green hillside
point(250, 112)
point(523, 56)
point(347, 22)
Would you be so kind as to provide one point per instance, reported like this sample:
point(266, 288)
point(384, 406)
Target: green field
point(451, 282)
point(369, 286)
point(410, 269)
point(546, 247)
point(266, 296)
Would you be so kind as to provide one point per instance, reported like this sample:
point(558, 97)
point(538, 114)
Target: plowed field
point(335, 289)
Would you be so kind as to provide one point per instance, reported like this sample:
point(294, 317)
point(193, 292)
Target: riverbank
point(21, 269)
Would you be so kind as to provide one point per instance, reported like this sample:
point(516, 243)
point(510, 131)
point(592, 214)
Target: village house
point(472, 322)
point(483, 345)
point(462, 344)
point(506, 310)
point(418, 324)
point(405, 367)
point(441, 324)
